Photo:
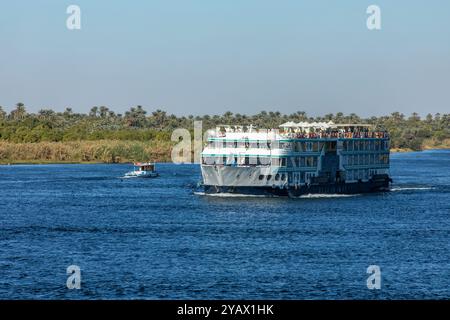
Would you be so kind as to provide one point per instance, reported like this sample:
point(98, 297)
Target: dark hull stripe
point(335, 188)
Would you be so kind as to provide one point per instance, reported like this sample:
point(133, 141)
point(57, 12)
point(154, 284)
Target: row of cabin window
point(366, 159)
point(300, 177)
point(296, 146)
point(240, 144)
point(310, 161)
point(256, 161)
point(366, 145)
point(276, 177)
point(262, 161)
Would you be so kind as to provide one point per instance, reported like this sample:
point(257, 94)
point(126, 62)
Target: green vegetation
point(104, 136)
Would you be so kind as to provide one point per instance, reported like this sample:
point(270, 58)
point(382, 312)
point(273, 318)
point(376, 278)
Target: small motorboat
point(143, 170)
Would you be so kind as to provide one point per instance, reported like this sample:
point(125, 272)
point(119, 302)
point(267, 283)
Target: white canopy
point(322, 125)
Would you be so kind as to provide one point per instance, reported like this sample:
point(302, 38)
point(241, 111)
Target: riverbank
point(102, 151)
point(113, 151)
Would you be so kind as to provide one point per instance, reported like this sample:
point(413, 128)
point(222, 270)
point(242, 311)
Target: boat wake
point(325, 195)
point(410, 188)
point(233, 195)
point(306, 196)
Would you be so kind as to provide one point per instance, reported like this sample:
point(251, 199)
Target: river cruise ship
point(296, 159)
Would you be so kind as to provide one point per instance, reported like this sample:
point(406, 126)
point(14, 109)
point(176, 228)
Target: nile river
point(159, 239)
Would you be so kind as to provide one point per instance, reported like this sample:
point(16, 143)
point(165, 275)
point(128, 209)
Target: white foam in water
point(232, 195)
point(237, 195)
point(325, 195)
point(411, 188)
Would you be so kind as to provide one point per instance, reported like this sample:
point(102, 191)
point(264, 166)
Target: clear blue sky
point(209, 56)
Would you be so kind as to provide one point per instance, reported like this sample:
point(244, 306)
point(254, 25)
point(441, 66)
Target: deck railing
point(322, 135)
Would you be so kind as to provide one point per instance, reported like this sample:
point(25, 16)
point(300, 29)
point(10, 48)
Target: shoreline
point(49, 162)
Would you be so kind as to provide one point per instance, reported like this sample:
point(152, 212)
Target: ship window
point(321, 146)
point(209, 160)
point(292, 161)
point(283, 177)
point(277, 177)
point(303, 146)
point(261, 177)
point(264, 161)
point(315, 146)
point(302, 161)
point(269, 177)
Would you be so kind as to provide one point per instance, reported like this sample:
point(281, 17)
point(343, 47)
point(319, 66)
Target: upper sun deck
point(297, 131)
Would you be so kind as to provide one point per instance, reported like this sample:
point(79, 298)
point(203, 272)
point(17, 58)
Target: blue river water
point(159, 239)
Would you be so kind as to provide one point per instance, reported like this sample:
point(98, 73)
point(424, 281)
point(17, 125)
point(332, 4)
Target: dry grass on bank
point(106, 151)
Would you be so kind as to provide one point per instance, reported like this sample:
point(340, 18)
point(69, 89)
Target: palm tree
point(46, 114)
point(19, 113)
point(103, 112)
point(93, 113)
point(227, 117)
point(354, 118)
point(2, 113)
point(68, 111)
point(301, 115)
point(414, 117)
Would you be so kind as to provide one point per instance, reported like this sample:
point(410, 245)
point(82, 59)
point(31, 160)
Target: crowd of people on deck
point(337, 134)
